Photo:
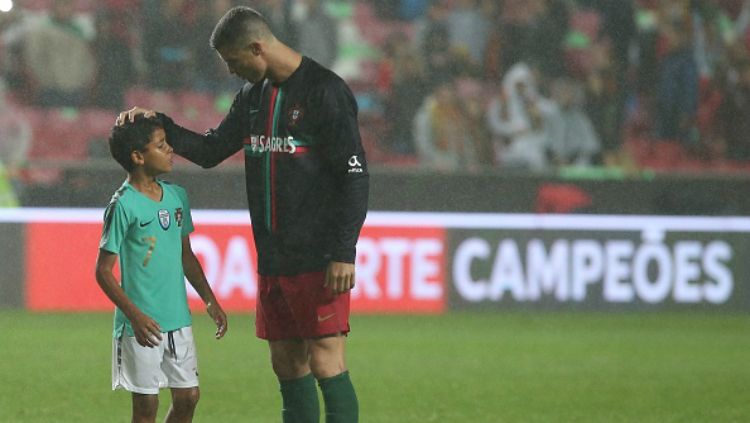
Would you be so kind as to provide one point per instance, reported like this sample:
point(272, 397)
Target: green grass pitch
point(459, 367)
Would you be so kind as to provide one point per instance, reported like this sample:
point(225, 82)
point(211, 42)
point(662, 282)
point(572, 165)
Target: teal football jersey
point(147, 237)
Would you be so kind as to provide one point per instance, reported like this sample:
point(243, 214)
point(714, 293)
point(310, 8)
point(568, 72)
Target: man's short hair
point(130, 137)
point(238, 27)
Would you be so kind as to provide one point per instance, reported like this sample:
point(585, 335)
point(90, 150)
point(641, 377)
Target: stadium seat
point(561, 198)
point(160, 101)
point(79, 6)
point(59, 134)
point(585, 21)
point(98, 122)
point(663, 155)
point(194, 103)
point(376, 30)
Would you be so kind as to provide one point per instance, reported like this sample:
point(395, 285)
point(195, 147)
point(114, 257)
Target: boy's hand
point(219, 317)
point(147, 332)
point(129, 115)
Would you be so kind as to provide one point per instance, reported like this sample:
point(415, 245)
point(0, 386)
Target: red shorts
point(299, 306)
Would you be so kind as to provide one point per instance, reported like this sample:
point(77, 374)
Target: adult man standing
point(307, 187)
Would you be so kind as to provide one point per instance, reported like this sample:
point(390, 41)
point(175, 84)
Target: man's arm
point(348, 164)
point(206, 150)
point(215, 145)
point(196, 277)
point(146, 330)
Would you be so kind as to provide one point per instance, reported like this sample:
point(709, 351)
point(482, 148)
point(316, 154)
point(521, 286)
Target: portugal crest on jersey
point(164, 219)
point(178, 216)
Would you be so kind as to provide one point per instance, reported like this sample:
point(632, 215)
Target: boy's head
point(141, 143)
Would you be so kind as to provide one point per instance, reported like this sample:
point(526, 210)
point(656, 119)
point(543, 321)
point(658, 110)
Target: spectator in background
point(708, 44)
point(406, 92)
point(677, 91)
point(517, 118)
point(607, 81)
point(279, 15)
point(605, 102)
point(533, 31)
point(548, 35)
point(647, 37)
point(473, 103)
point(59, 60)
point(494, 52)
point(572, 139)
point(439, 57)
point(433, 20)
point(468, 29)
point(114, 57)
point(406, 10)
point(447, 129)
point(412, 9)
point(14, 26)
point(617, 29)
point(732, 122)
point(212, 77)
point(317, 33)
point(15, 143)
point(8, 197)
point(442, 133)
point(168, 41)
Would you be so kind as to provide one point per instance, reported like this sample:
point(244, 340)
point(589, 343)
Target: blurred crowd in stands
point(447, 85)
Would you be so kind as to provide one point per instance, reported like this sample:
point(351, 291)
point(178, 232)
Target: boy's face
point(156, 156)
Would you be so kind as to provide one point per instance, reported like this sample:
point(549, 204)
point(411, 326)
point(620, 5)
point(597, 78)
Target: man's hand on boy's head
point(129, 115)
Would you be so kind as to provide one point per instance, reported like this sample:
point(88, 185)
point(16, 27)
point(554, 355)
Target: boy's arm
point(196, 277)
point(146, 330)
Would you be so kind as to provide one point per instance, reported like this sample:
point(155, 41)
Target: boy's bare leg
point(145, 407)
point(183, 405)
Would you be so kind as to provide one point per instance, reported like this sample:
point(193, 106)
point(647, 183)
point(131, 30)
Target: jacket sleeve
point(215, 145)
point(348, 165)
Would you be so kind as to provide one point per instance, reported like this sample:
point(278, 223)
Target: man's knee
point(327, 357)
point(289, 359)
point(185, 400)
point(328, 366)
point(289, 367)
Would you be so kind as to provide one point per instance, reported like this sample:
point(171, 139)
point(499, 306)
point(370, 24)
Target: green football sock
point(300, 400)
point(340, 399)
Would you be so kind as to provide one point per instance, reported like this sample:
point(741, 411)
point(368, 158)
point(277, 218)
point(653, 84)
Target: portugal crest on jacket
point(294, 115)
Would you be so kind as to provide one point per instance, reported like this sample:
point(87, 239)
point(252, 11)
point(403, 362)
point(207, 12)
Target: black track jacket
point(305, 168)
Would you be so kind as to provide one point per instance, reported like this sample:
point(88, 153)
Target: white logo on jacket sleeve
point(354, 165)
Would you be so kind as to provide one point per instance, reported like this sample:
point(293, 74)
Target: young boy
point(147, 225)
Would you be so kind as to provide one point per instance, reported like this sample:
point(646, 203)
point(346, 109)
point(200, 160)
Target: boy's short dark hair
point(130, 137)
point(239, 26)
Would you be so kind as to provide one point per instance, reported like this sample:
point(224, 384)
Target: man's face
point(244, 63)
